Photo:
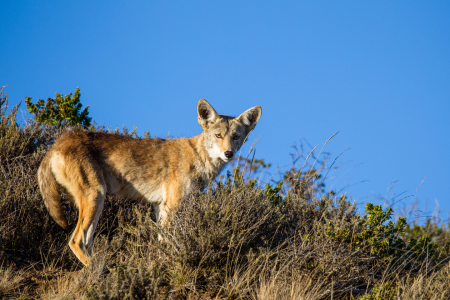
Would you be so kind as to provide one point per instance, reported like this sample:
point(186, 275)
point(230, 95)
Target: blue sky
point(376, 71)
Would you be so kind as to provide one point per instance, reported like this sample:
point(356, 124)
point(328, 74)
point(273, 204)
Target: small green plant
point(273, 193)
point(431, 230)
point(383, 238)
point(60, 111)
point(424, 246)
point(381, 292)
point(237, 178)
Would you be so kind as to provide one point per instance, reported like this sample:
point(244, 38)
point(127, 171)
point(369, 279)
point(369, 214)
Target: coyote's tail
point(49, 190)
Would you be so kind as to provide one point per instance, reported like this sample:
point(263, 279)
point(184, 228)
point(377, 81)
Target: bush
point(60, 111)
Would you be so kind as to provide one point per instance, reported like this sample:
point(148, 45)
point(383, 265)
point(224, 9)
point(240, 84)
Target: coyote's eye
point(219, 136)
point(236, 137)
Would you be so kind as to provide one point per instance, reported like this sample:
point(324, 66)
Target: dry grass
point(10, 280)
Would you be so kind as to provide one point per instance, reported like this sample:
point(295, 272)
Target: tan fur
point(163, 172)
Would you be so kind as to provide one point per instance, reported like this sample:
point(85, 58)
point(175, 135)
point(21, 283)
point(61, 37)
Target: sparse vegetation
point(238, 239)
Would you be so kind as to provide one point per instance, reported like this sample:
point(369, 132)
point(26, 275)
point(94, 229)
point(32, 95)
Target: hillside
point(238, 239)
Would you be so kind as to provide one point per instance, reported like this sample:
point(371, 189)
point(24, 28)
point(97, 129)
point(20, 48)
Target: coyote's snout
point(163, 172)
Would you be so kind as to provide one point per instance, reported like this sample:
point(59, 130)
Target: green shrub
point(381, 292)
point(384, 238)
point(434, 230)
point(60, 111)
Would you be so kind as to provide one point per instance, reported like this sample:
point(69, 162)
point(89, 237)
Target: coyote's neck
point(210, 166)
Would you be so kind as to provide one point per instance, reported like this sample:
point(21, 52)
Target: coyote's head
point(224, 135)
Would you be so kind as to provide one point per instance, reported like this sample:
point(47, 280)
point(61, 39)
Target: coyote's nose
point(228, 154)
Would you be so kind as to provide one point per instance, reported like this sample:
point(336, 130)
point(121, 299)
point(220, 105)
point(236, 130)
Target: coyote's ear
point(250, 117)
point(206, 113)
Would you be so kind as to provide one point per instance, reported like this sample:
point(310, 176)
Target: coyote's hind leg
point(90, 209)
point(84, 180)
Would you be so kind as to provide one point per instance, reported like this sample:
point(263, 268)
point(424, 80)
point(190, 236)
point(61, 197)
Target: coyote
point(164, 172)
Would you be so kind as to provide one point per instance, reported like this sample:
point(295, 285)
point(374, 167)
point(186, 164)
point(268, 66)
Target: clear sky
point(377, 71)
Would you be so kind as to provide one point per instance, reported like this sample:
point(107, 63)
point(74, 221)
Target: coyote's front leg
point(173, 195)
